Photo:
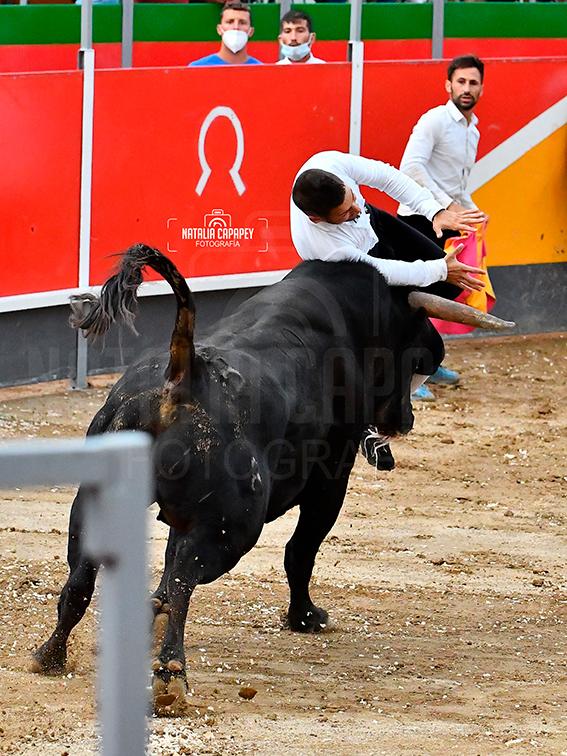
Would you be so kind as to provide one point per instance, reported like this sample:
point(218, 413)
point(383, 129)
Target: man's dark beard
point(468, 106)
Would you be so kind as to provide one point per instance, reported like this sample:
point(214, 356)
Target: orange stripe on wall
point(527, 204)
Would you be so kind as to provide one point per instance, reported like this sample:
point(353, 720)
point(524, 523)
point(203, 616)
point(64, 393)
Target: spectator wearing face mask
point(235, 29)
point(296, 38)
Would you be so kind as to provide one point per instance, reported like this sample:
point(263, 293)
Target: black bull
point(265, 414)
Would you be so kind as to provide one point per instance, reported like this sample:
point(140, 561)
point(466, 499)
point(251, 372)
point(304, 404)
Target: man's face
point(295, 33)
point(348, 210)
point(235, 19)
point(464, 88)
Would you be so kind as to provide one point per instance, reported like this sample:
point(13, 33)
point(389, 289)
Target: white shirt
point(310, 59)
point(440, 154)
point(353, 240)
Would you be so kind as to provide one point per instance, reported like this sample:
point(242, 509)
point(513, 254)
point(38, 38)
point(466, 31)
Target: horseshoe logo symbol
point(221, 112)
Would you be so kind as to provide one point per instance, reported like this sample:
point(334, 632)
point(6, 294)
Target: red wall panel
point(39, 181)
point(59, 57)
point(147, 166)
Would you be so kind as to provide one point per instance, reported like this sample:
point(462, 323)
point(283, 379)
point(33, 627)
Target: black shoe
point(376, 452)
point(383, 459)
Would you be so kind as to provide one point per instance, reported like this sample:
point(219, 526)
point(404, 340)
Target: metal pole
point(355, 20)
point(117, 471)
point(438, 29)
point(87, 64)
point(356, 52)
point(79, 378)
point(285, 7)
point(127, 32)
point(86, 27)
point(119, 537)
point(356, 57)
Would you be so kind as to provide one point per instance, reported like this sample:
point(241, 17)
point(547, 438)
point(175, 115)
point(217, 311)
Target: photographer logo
point(217, 231)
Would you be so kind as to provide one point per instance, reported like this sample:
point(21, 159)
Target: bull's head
point(419, 350)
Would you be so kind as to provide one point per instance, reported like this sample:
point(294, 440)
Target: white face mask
point(234, 39)
point(296, 52)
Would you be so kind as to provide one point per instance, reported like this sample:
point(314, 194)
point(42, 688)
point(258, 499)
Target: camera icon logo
point(217, 219)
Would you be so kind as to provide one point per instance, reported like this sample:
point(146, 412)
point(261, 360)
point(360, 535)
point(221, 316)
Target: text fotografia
point(217, 231)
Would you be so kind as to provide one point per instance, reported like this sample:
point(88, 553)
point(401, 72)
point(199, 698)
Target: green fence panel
point(393, 21)
point(506, 20)
point(59, 24)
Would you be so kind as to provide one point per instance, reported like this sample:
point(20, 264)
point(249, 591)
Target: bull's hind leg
point(51, 657)
point(320, 503)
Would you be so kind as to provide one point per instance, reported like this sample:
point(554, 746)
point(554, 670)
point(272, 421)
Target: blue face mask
point(297, 52)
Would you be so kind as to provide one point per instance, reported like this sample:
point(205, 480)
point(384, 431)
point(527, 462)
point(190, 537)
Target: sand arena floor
point(446, 580)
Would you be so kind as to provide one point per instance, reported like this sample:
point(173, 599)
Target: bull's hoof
point(310, 620)
point(49, 660)
point(169, 689)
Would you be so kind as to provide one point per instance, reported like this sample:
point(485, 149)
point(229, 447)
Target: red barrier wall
point(57, 57)
point(40, 151)
point(148, 182)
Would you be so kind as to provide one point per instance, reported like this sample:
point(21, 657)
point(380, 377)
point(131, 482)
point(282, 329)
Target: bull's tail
point(118, 301)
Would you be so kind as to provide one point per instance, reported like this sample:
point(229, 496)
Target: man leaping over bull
point(330, 220)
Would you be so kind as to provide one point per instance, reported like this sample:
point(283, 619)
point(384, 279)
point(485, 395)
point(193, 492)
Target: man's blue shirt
point(216, 60)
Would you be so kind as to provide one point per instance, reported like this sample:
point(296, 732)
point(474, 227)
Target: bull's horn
point(446, 309)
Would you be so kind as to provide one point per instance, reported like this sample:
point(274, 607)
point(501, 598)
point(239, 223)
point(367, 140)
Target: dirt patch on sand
point(446, 581)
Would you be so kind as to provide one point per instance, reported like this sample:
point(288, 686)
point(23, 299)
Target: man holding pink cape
point(439, 155)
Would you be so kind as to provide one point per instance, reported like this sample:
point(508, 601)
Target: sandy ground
point(446, 581)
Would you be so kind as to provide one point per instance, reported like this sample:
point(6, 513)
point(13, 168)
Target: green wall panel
point(52, 24)
point(506, 20)
point(393, 21)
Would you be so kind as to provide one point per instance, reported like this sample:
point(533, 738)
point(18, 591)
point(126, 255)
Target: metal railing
point(116, 469)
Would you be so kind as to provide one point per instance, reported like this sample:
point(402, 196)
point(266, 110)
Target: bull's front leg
point(320, 503)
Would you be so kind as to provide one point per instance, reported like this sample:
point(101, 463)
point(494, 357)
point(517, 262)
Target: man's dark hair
point(294, 17)
point(317, 192)
point(236, 5)
point(465, 61)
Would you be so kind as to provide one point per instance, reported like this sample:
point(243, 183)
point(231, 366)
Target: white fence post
point(87, 65)
point(356, 58)
point(438, 29)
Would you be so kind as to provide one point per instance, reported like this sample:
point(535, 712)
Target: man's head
point(323, 197)
point(296, 35)
point(235, 26)
point(464, 81)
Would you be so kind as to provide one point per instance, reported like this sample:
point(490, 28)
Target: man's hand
point(456, 221)
point(460, 274)
point(455, 207)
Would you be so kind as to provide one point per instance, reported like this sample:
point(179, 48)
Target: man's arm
point(396, 272)
point(388, 179)
point(419, 273)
